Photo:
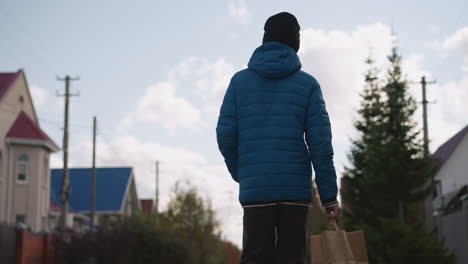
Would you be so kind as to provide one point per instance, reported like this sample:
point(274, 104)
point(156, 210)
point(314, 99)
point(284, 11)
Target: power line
point(24, 28)
point(57, 123)
point(24, 48)
point(26, 51)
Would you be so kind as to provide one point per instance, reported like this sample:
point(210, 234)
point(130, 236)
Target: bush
point(187, 233)
point(132, 240)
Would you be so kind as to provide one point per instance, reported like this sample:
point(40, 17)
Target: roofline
point(100, 211)
point(129, 183)
point(136, 194)
point(451, 138)
point(21, 71)
point(11, 83)
point(34, 142)
point(131, 168)
point(74, 213)
point(118, 211)
point(440, 166)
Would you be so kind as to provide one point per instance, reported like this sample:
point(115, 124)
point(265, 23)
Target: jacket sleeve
point(319, 141)
point(226, 130)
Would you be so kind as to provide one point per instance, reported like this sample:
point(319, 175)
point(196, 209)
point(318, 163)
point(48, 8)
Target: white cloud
point(56, 161)
point(239, 10)
point(212, 83)
point(199, 80)
point(449, 113)
point(336, 59)
point(161, 104)
point(39, 95)
point(458, 42)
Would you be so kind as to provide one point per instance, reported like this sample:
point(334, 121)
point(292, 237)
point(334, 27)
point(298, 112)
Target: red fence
point(34, 249)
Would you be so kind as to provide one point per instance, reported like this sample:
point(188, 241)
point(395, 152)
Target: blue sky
point(154, 73)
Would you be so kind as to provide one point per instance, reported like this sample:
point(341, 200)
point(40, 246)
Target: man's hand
point(333, 213)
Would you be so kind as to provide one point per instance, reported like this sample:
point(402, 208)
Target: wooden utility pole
point(424, 103)
point(427, 202)
point(156, 201)
point(65, 188)
point(93, 178)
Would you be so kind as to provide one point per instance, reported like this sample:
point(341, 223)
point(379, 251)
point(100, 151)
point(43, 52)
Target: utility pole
point(424, 103)
point(93, 178)
point(156, 202)
point(65, 188)
point(426, 204)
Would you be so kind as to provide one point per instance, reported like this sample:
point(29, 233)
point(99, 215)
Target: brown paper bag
point(338, 246)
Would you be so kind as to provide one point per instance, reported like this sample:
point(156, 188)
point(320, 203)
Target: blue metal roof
point(111, 184)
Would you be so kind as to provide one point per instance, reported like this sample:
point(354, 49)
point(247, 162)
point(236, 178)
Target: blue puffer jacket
point(272, 125)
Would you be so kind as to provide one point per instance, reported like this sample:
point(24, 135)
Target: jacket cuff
point(328, 203)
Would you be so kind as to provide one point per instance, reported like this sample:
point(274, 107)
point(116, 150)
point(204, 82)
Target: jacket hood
point(274, 60)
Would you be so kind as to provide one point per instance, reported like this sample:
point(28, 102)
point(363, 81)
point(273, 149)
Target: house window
point(46, 172)
point(20, 219)
point(22, 169)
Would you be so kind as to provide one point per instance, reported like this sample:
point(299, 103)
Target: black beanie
point(284, 28)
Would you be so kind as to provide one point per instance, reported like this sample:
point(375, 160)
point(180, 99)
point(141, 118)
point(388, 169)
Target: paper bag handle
point(316, 202)
point(334, 225)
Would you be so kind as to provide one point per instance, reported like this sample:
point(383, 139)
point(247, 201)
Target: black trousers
point(276, 233)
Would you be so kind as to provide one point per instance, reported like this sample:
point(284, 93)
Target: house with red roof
point(24, 156)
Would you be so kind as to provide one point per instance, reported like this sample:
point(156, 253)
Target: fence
point(7, 244)
point(34, 249)
point(24, 247)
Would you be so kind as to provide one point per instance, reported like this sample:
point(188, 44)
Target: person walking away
point(272, 125)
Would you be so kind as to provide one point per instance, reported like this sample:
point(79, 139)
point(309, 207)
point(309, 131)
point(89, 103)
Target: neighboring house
point(75, 220)
point(452, 160)
point(450, 204)
point(24, 156)
point(116, 192)
point(147, 206)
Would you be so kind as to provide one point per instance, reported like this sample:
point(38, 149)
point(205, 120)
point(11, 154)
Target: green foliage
point(187, 233)
point(193, 219)
point(129, 240)
point(389, 175)
point(414, 244)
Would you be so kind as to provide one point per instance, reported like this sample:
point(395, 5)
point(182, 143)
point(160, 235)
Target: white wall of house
point(131, 202)
point(32, 197)
point(454, 172)
point(10, 107)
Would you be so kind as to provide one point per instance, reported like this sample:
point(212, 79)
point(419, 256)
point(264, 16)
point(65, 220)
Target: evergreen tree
point(387, 172)
point(364, 148)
